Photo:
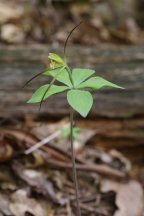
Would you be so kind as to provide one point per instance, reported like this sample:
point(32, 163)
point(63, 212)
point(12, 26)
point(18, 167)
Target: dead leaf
point(8, 12)
point(12, 34)
point(21, 203)
point(42, 130)
point(77, 9)
point(7, 180)
point(50, 210)
point(84, 136)
point(6, 150)
point(129, 197)
point(117, 156)
point(41, 184)
point(4, 204)
point(38, 159)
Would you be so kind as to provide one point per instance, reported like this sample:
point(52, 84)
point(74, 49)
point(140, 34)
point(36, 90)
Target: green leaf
point(66, 132)
point(79, 75)
point(63, 76)
point(55, 57)
point(81, 101)
point(97, 83)
point(37, 96)
point(76, 131)
point(117, 4)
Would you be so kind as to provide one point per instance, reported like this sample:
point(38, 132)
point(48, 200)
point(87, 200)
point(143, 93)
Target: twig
point(101, 169)
point(44, 141)
point(55, 152)
point(91, 209)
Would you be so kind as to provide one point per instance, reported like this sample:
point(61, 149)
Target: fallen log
point(124, 109)
point(120, 65)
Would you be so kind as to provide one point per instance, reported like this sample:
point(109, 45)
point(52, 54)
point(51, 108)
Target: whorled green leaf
point(55, 58)
point(37, 96)
point(79, 75)
point(63, 76)
point(81, 101)
point(97, 83)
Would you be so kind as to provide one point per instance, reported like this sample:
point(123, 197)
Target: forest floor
point(40, 183)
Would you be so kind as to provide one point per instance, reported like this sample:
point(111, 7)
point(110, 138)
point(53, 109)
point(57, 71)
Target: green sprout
point(74, 83)
point(66, 132)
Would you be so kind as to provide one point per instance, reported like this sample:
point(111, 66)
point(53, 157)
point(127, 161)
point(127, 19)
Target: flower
point(55, 61)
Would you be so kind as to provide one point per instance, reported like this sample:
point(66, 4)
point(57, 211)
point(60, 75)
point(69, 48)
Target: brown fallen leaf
point(7, 180)
point(117, 156)
point(4, 205)
point(85, 135)
point(21, 204)
point(42, 130)
point(9, 12)
point(129, 197)
point(50, 210)
point(6, 150)
point(41, 185)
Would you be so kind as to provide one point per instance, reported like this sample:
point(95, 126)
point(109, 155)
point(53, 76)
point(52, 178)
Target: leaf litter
point(41, 183)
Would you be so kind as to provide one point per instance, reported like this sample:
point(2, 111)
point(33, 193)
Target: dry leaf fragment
point(129, 197)
point(4, 205)
point(10, 12)
point(21, 203)
point(41, 184)
point(84, 136)
point(125, 163)
point(6, 150)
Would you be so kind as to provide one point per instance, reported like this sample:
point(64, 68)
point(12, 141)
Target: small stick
point(44, 141)
point(101, 169)
point(91, 209)
point(29, 138)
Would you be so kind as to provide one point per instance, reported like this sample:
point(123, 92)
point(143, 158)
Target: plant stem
point(73, 163)
point(70, 75)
